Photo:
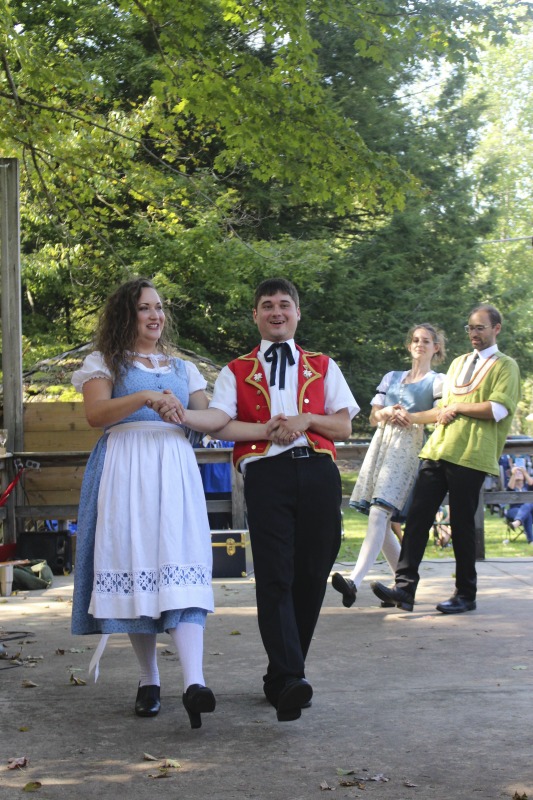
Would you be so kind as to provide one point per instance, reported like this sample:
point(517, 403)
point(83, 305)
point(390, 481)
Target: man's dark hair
point(274, 285)
point(494, 315)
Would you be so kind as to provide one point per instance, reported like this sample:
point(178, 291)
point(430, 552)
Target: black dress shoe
point(198, 700)
point(398, 597)
point(293, 697)
point(346, 587)
point(147, 703)
point(456, 605)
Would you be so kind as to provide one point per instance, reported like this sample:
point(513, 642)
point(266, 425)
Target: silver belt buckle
point(297, 452)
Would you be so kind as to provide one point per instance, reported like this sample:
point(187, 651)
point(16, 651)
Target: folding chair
point(442, 531)
point(512, 532)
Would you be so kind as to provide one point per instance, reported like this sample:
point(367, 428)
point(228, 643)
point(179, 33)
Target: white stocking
point(379, 536)
point(188, 638)
point(144, 646)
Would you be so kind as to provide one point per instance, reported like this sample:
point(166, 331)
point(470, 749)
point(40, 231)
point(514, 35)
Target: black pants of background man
point(294, 516)
point(435, 479)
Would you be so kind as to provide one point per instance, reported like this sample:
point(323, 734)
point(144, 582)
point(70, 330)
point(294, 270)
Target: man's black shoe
point(394, 595)
point(346, 587)
point(456, 605)
point(293, 697)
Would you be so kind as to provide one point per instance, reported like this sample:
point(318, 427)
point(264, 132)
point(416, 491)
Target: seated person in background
point(521, 513)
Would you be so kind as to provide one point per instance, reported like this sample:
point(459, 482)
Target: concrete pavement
point(406, 705)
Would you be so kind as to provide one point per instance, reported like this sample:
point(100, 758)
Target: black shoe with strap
point(147, 702)
point(346, 587)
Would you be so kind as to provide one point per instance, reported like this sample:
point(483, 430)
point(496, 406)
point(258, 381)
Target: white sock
point(144, 646)
point(379, 536)
point(188, 638)
point(391, 548)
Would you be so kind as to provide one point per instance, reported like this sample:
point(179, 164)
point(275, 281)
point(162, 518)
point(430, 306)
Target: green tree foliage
point(503, 164)
point(210, 144)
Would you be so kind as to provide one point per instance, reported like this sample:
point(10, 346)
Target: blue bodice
point(412, 396)
point(135, 380)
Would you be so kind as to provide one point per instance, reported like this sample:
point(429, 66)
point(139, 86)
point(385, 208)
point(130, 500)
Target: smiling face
point(150, 320)
point(422, 344)
point(482, 333)
point(277, 317)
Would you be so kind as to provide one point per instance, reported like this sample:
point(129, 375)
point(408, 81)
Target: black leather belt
point(300, 452)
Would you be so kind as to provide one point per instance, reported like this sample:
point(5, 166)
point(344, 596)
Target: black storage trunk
point(232, 555)
point(54, 547)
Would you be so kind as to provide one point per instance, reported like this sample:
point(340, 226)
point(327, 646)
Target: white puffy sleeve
point(93, 366)
point(196, 380)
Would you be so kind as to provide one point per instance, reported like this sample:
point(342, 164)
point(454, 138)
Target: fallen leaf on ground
point(326, 787)
point(77, 681)
point(17, 763)
point(27, 684)
point(148, 757)
point(32, 786)
point(379, 778)
point(60, 652)
point(410, 784)
point(517, 796)
point(171, 763)
point(235, 633)
point(520, 666)
point(162, 774)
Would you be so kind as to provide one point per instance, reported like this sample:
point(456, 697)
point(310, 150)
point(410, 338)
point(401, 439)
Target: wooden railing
point(53, 466)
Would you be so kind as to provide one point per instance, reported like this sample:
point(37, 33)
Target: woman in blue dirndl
point(389, 469)
point(143, 560)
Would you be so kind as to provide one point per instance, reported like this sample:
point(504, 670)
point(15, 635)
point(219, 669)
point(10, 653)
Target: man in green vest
point(473, 419)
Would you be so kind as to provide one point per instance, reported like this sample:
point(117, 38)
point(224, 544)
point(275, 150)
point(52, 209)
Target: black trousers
point(434, 480)
point(294, 517)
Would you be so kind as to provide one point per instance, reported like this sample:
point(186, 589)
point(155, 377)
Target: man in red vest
point(284, 408)
point(291, 482)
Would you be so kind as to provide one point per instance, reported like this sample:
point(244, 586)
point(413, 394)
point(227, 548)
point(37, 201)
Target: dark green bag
point(35, 575)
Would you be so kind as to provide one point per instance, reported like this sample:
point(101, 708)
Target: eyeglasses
point(476, 328)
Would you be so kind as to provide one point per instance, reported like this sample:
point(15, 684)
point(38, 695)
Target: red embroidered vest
point(253, 399)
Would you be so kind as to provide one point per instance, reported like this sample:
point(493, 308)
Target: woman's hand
point(447, 414)
point(400, 417)
point(169, 408)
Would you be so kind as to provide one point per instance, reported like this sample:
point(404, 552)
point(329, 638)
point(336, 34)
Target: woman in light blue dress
point(143, 560)
point(390, 466)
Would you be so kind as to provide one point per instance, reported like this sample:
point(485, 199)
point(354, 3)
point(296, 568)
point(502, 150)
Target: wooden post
point(11, 311)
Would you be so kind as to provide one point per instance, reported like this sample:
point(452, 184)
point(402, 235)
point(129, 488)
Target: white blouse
point(94, 366)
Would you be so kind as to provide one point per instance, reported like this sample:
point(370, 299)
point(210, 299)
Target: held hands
point(398, 415)
point(447, 414)
point(169, 408)
point(284, 430)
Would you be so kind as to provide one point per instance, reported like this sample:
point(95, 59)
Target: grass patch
point(495, 533)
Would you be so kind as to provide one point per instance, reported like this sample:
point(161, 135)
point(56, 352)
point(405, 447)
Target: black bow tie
point(285, 354)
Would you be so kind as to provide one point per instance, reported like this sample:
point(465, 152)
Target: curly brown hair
point(116, 333)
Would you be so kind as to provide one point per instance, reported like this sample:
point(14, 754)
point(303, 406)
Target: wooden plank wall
point(56, 427)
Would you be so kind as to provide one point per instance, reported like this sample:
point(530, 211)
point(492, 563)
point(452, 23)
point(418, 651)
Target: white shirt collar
point(487, 352)
point(265, 344)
